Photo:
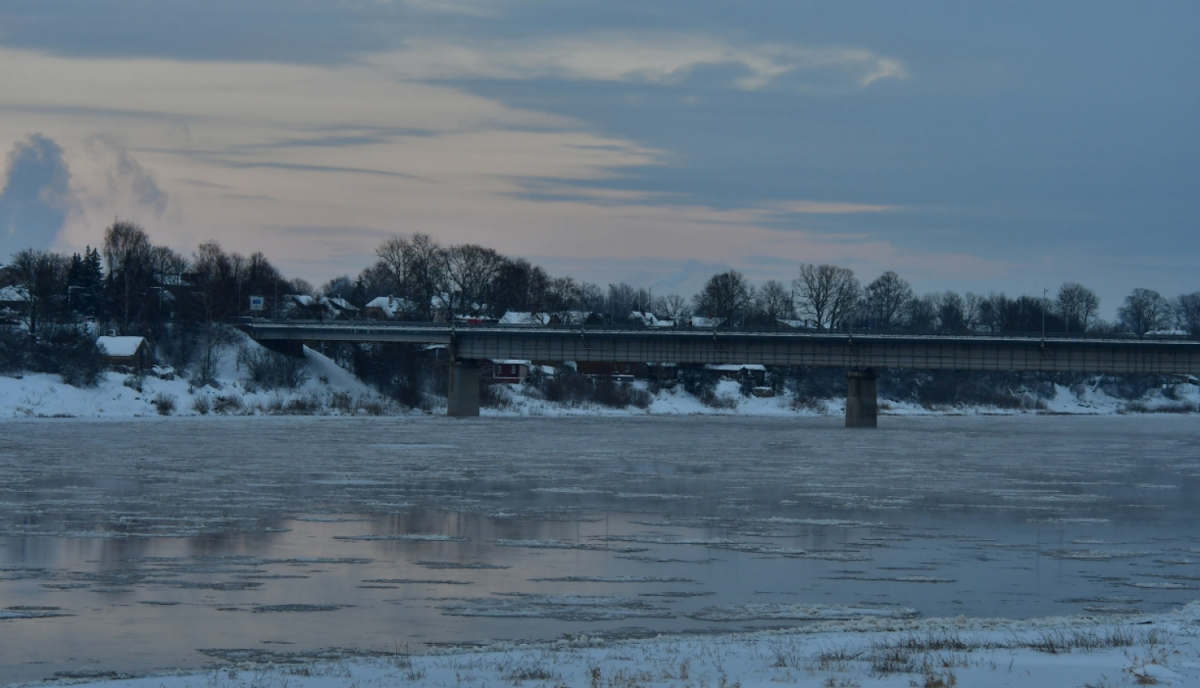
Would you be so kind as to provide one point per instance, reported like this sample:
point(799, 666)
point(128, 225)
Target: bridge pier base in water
point(862, 404)
point(462, 399)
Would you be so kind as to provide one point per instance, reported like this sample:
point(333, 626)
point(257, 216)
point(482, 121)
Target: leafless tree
point(470, 270)
point(828, 294)
point(951, 312)
point(672, 307)
point(42, 275)
point(974, 310)
point(885, 300)
point(562, 298)
point(127, 255)
point(620, 302)
point(395, 255)
point(725, 296)
point(301, 286)
point(1077, 306)
point(1187, 311)
point(1145, 310)
point(921, 313)
point(774, 302)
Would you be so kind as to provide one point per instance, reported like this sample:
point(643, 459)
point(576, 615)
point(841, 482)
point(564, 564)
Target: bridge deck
point(796, 349)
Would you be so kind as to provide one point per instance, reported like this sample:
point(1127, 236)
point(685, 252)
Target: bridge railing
point(633, 327)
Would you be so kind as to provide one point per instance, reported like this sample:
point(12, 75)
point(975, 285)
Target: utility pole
point(1045, 291)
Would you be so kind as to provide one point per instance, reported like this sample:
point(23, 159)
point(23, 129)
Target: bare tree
point(1187, 311)
point(673, 307)
point(42, 276)
point(470, 271)
point(828, 294)
point(725, 296)
point(885, 300)
point(974, 310)
point(774, 302)
point(1077, 306)
point(395, 255)
point(1145, 310)
point(620, 301)
point(921, 313)
point(127, 254)
point(951, 312)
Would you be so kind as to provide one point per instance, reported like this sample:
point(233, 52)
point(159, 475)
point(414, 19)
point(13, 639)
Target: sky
point(983, 146)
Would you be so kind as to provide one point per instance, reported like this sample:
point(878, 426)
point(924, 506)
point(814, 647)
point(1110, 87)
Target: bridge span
point(859, 354)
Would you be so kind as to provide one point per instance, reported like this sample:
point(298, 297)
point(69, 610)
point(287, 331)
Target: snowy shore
point(863, 653)
point(332, 390)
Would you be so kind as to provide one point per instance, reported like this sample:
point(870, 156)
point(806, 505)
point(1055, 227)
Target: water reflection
point(182, 543)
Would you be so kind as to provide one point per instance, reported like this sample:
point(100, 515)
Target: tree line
point(131, 285)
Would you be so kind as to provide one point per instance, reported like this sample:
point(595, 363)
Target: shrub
point(65, 350)
point(493, 396)
point(200, 405)
point(271, 369)
point(164, 404)
point(226, 404)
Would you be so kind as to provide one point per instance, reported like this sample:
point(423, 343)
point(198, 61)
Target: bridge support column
point(462, 398)
point(862, 405)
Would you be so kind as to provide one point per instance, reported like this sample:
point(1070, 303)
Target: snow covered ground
point(329, 389)
point(868, 652)
point(1092, 401)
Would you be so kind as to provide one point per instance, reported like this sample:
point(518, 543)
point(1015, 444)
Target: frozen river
point(142, 544)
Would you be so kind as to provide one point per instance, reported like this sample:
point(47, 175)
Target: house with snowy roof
point(648, 319)
point(739, 371)
point(387, 308)
point(132, 352)
point(505, 371)
point(14, 302)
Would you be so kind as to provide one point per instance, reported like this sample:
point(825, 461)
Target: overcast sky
point(979, 146)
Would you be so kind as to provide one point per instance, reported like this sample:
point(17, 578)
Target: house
point(339, 307)
point(323, 308)
point(14, 303)
point(700, 321)
point(632, 369)
point(648, 319)
point(387, 308)
point(525, 319)
point(509, 371)
point(132, 352)
point(740, 372)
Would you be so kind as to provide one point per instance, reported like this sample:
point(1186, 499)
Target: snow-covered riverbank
point(864, 653)
point(331, 390)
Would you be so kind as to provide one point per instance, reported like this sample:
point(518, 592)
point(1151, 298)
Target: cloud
point(36, 195)
point(828, 208)
point(655, 59)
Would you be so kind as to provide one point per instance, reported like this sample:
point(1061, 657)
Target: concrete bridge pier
point(862, 404)
point(462, 399)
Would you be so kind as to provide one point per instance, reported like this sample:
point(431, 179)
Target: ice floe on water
point(1097, 554)
point(560, 607)
point(613, 579)
point(799, 612)
point(558, 544)
point(30, 612)
point(409, 537)
point(467, 565)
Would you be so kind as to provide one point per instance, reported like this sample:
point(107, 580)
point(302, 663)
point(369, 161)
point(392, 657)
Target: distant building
point(508, 371)
point(387, 308)
point(740, 371)
point(132, 352)
point(634, 369)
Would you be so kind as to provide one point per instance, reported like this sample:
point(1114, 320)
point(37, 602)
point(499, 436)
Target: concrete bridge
point(859, 354)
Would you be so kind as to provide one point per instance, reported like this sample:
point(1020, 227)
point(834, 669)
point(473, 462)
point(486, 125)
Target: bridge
point(860, 354)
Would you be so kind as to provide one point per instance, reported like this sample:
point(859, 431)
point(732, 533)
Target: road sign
point(256, 303)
